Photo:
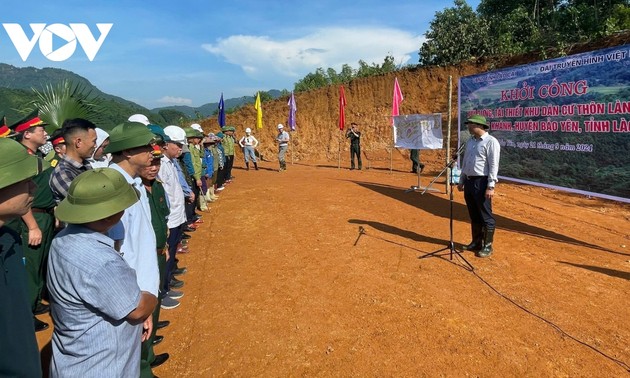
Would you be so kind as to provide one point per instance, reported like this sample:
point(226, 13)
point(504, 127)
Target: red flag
point(398, 98)
point(342, 105)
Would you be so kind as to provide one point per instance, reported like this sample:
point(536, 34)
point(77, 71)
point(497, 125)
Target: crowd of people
point(92, 222)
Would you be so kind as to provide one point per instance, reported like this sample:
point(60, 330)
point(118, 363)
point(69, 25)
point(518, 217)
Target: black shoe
point(186, 236)
point(179, 271)
point(39, 325)
point(162, 323)
point(175, 283)
point(159, 360)
point(41, 309)
point(157, 339)
point(189, 229)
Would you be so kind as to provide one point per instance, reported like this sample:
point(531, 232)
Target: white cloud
point(261, 57)
point(170, 100)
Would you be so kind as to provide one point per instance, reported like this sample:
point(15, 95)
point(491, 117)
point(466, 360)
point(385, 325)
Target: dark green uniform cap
point(129, 135)
point(17, 164)
point(478, 120)
point(192, 133)
point(96, 194)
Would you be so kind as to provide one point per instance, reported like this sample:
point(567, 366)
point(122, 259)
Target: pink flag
point(398, 98)
point(342, 105)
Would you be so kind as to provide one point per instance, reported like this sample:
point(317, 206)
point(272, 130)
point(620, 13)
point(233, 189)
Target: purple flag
point(221, 112)
point(292, 110)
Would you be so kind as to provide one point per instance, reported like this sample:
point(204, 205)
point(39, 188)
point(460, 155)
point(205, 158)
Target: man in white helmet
point(249, 143)
point(141, 118)
point(283, 145)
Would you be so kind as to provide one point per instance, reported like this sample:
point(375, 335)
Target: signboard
point(562, 123)
point(418, 131)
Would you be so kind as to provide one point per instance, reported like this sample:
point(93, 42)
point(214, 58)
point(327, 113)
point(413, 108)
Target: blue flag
point(221, 112)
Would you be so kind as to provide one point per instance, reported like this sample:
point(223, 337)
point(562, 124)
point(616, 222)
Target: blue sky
point(162, 53)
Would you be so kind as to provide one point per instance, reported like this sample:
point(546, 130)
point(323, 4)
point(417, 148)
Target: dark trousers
point(189, 208)
point(196, 190)
point(174, 237)
point(479, 207)
point(355, 150)
point(414, 155)
point(229, 163)
point(147, 355)
point(221, 176)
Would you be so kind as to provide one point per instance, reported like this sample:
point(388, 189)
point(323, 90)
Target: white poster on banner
point(418, 131)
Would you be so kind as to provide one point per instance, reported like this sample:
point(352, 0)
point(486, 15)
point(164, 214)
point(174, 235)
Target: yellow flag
point(258, 108)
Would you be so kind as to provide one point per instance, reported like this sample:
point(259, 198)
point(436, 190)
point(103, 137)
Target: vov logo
point(44, 34)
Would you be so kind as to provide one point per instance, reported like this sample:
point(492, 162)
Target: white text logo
point(44, 34)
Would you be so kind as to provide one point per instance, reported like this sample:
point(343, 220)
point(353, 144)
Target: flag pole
point(449, 188)
point(339, 153)
point(391, 151)
point(291, 150)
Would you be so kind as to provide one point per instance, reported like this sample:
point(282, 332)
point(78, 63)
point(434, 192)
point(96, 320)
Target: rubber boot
point(213, 197)
point(487, 244)
point(476, 244)
point(255, 165)
point(284, 165)
point(203, 206)
point(247, 166)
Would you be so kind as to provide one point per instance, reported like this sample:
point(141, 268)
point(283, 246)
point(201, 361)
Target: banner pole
point(448, 134)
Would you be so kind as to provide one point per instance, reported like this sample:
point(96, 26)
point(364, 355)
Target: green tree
point(455, 34)
point(346, 74)
point(63, 101)
point(312, 80)
point(172, 116)
point(264, 96)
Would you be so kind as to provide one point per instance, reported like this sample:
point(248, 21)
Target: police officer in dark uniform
point(37, 225)
point(355, 144)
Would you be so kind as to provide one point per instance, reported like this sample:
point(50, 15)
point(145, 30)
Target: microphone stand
point(451, 244)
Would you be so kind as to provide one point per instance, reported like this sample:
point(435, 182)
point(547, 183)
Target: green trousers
point(37, 257)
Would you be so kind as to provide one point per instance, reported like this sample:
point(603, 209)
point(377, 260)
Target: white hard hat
point(197, 127)
point(139, 118)
point(280, 126)
point(248, 130)
point(176, 133)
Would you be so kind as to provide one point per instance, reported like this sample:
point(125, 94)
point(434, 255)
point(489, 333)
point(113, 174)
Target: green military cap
point(129, 135)
point(96, 194)
point(478, 120)
point(159, 133)
point(229, 128)
point(192, 133)
point(17, 164)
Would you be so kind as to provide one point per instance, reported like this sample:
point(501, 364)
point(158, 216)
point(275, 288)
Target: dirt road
point(281, 282)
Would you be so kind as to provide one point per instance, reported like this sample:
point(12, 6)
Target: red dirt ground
point(281, 282)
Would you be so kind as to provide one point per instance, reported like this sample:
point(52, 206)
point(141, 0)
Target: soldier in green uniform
point(37, 225)
point(159, 215)
point(20, 356)
point(59, 147)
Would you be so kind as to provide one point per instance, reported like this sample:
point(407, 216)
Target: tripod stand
point(451, 245)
